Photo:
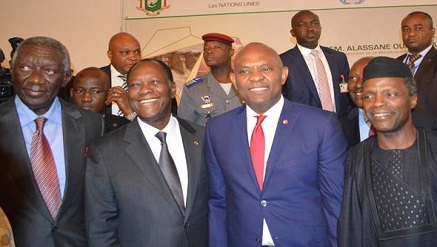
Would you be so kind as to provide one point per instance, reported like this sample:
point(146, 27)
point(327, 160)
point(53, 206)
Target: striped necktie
point(44, 169)
point(124, 78)
point(412, 59)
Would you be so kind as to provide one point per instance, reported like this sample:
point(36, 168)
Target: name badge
point(343, 85)
point(206, 102)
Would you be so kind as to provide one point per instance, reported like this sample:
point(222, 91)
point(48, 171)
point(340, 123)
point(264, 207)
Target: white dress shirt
point(311, 64)
point(175, 147)
point(269, 128)
point(116, 81)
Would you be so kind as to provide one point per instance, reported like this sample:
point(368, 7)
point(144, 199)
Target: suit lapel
point(139, 151)
point(194, 156)
point(334, 71)
point(286, 123)
point(427, 61)
point(74, 133)
point(301, 67)
point(17, 160)
point(239, 130)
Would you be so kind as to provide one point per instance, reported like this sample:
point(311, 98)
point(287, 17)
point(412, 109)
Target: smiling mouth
point(382, 114)
point(31, 92)
point(147, 101)
point(258, 89)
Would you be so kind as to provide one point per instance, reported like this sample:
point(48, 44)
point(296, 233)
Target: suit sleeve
point(100, 203)
point(217, 196)
point(332, 155)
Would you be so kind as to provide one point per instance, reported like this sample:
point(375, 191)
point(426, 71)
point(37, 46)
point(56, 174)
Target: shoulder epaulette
point(193, 82)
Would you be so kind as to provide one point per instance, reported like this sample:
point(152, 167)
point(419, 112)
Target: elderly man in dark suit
point(43, 146)
point(315, 71)
point(418, 33)
point(146, 183)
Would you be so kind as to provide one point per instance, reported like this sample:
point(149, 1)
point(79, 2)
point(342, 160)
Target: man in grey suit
point(40, 66)
point(129, 198)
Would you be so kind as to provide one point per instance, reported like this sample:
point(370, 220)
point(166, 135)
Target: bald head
point(355, 80)
point(123, 51)
point(258, 49)
point(90, 89)
point(259, 75)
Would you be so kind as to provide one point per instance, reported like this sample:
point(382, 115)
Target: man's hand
point(119, 96)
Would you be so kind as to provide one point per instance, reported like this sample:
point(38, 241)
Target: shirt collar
point(275, 110)
point(306, 51)
point(27, 116)
point(114, 72)
point(149, 131)
point(423, 53)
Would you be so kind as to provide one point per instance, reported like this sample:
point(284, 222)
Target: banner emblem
point(152, 7)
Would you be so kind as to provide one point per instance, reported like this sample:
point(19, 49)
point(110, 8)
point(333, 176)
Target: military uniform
point(204, 98)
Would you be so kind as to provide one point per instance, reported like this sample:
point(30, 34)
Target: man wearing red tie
point(43, 146)
point(275, 167)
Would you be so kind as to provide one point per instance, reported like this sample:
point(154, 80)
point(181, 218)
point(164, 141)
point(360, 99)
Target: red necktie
point(322, 80)
point(44, 168)
point(372, 130)
point(257, 149)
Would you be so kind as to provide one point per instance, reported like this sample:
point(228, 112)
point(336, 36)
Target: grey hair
point(410, 82)
point(46, 42)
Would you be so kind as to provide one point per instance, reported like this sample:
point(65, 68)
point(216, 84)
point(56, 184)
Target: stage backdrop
point(172, 29)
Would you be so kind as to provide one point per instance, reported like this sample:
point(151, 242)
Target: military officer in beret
point(213, 94)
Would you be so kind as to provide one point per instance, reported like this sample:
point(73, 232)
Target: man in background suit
point(418, 33)
point(302, 84)
point(89, 91)
point(40, 66)
point(123, 51)
point(287, 193)
point(355, 125)
point(129, 199)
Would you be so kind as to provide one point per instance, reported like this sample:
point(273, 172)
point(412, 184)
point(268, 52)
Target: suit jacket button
point(187, 225)
point(258, 240)
point(264, 203)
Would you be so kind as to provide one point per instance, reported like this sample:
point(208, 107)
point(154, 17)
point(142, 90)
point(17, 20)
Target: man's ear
point(292, 33)
point(232, 76)
point(413, 101)
point(173, 90)
point(68, 76)
point(109, 54)
point(284, 74)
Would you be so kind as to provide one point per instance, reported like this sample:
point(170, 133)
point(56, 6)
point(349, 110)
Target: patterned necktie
point(257, 150)
point(124, 78)
point(168, 169)
point(322, 79)
point(44, 168)
point(412, 59)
